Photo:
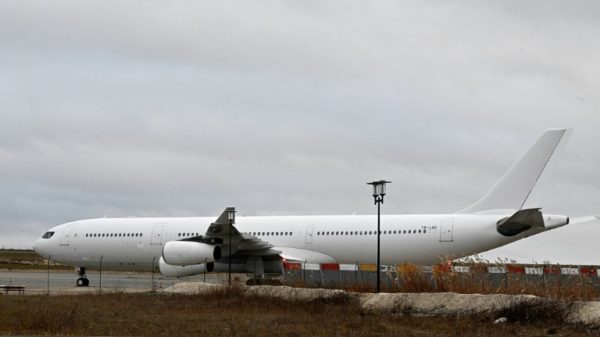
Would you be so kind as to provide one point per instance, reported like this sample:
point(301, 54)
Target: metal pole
point(230, 229)
point(49, 274)
point(153, 287)
point(378, 240)
point(100, 284)
point(204, 274)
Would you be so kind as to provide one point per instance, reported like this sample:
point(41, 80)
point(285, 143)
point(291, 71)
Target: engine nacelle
point(168, 270)
point(185, 253)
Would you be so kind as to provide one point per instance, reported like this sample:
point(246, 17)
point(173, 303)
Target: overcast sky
point(120, 108)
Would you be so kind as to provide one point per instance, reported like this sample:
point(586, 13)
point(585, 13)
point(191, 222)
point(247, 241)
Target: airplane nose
point(37, 247)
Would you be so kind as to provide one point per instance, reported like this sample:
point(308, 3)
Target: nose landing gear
point(82, 281)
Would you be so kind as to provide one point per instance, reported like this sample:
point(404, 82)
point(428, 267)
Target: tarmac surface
point(63, 282)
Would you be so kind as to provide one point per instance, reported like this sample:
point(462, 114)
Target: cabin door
point(309, 234)
point(157, 234)
point(447, 230)
point(66, 236)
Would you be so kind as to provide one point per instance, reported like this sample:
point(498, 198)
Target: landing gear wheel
point(82, 281)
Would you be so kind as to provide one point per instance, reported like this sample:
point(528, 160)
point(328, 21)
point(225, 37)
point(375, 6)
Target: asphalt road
point(59, 282)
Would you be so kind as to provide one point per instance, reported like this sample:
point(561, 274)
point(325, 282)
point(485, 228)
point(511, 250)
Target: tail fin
point(516, 186)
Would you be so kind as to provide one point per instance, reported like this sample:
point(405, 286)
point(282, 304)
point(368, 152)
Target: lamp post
point(378, 194)
point(231, 217)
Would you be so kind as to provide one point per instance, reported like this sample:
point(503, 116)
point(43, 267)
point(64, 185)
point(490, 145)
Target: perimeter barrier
point(483, 276)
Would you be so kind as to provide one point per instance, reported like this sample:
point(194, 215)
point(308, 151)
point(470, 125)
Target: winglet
point(512, 191)
point(222, 226)
point(223, 219)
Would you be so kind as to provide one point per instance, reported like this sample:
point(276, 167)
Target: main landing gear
point(82, 281)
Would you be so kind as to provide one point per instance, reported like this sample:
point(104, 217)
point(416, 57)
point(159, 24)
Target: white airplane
point(187, 246)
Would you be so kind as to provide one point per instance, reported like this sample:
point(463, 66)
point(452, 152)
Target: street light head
point(231, 214)
point(379, 189)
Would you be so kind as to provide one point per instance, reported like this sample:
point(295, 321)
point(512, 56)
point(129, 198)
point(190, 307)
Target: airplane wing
point(248, 252)
point(242, 244)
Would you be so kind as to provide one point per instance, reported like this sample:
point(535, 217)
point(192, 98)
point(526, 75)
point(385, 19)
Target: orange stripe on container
point(442, 268)
point(587, 271)
point(367, 267)
point(516, 269)
point(330, 266)
point(551, 270)
point(292, 266)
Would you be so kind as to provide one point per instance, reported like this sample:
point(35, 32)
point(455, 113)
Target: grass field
point(228, 313)
point(26, 260)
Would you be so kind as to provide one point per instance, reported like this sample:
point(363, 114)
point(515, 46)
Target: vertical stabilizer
point(513, 190)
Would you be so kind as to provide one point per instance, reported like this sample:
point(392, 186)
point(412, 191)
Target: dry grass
point(561, 287)
point(13, 259)
point(228, 313)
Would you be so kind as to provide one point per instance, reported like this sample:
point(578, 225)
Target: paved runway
point(64, 281)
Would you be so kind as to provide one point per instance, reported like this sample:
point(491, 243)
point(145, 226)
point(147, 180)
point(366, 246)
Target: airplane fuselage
point(136, 243)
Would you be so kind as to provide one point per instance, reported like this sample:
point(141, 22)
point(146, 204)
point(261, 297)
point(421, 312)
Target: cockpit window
point(47, 235)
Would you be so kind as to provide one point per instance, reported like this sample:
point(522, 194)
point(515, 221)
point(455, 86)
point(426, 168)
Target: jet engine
point(185, 253)
point(168, 270)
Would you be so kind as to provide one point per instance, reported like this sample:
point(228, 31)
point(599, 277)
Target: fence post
point(359, 273)
point(100, 284)
point(321, 271)
point(304, 273)
point(153, 285)
point(48, 281)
